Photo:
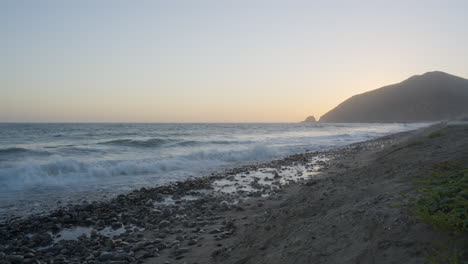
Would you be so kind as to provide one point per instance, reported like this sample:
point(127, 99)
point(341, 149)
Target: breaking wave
point(63, 171)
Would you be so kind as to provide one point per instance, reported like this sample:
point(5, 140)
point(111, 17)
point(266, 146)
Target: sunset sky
point(215, 61)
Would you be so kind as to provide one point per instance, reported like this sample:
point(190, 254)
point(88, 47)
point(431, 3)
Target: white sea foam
point(66, 171)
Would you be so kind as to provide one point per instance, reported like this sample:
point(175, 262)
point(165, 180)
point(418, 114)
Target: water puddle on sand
point(77, 232)
point(171, 199)
point(174, 199)
point(268, 178)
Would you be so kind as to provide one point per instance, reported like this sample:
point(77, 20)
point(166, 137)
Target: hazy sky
point(215, 61)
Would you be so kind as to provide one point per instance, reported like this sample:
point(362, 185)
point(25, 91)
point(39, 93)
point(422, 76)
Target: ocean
point(42, 165)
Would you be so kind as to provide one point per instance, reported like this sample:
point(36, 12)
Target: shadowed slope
point(428, 97)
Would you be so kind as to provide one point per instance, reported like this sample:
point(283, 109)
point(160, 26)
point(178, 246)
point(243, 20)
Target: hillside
point(429, 97)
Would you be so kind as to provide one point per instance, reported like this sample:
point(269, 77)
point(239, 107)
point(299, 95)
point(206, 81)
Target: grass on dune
point(442, 202)
point(435, 134)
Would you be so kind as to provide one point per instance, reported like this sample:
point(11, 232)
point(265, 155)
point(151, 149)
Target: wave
point(153, 142)
point(74, 165)
point(13, 150)
point(64, 171)
point(158, 142)
point(211, 142)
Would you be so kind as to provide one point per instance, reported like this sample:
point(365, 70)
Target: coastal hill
point(428, 97)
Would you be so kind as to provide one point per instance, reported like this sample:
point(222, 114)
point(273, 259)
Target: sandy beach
point(313, 207)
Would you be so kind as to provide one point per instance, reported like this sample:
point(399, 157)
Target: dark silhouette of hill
point(429, 97)
point(309, 119)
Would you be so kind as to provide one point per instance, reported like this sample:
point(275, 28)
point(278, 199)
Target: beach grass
point(435, 134)
point(442, 202)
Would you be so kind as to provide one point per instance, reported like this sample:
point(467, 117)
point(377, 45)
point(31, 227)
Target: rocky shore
point(163, 222)
point(226, 217)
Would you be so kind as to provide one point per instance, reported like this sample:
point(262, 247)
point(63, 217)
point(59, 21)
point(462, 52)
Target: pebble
point(181, 251)
point(15, 258)
point(164, 223)
point(106, 256)
point(224, 205)
point(135, 211)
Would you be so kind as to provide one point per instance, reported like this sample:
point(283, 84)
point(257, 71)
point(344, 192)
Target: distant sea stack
point(432, 96)
point(309, 119)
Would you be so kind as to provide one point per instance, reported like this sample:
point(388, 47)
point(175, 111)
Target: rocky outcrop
point(309, 119)
point(432, 96)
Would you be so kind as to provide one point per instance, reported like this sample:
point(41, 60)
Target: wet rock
point(149, 202)
point(109, 243)
point(180, 251)
point(192, 242)
point(149, 254)
point(42, 239)
point(138, 246)
point(164, 223)
point(167, 212)
point(224, 205)
point(157, 241)
point(93, 234)
point(116, 225)
point(215, 231)
point(15, 258)
point(106, 256)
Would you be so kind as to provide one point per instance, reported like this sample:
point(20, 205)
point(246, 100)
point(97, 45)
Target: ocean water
point(47, 163)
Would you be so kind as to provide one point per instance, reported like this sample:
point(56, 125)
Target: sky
point(215, 60)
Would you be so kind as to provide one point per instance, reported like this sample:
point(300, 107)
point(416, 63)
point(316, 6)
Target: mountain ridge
point(431, 96)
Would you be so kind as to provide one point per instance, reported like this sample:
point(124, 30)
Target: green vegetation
point(443, 203)
point(435, 134)
point(415, 143)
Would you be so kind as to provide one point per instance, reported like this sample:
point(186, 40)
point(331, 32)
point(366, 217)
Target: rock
point(93, 234)
point(109, 243)
point(157, 241)
point(15, 258)
point(30, 261)
point(224, 206)
point(309, 119)
point(106, 256)
point(138, 246)
point(167, 212)
point(148, 255)
point(164, 223)
point(116, 225)
point(150, 202)
point(180, 251)
point(215, 231)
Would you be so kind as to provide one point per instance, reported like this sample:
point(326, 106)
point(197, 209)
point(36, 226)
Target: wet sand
point(316, 207)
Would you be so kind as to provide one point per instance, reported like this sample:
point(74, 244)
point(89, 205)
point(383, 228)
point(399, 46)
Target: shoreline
point(34, 180)
point(193, 220)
